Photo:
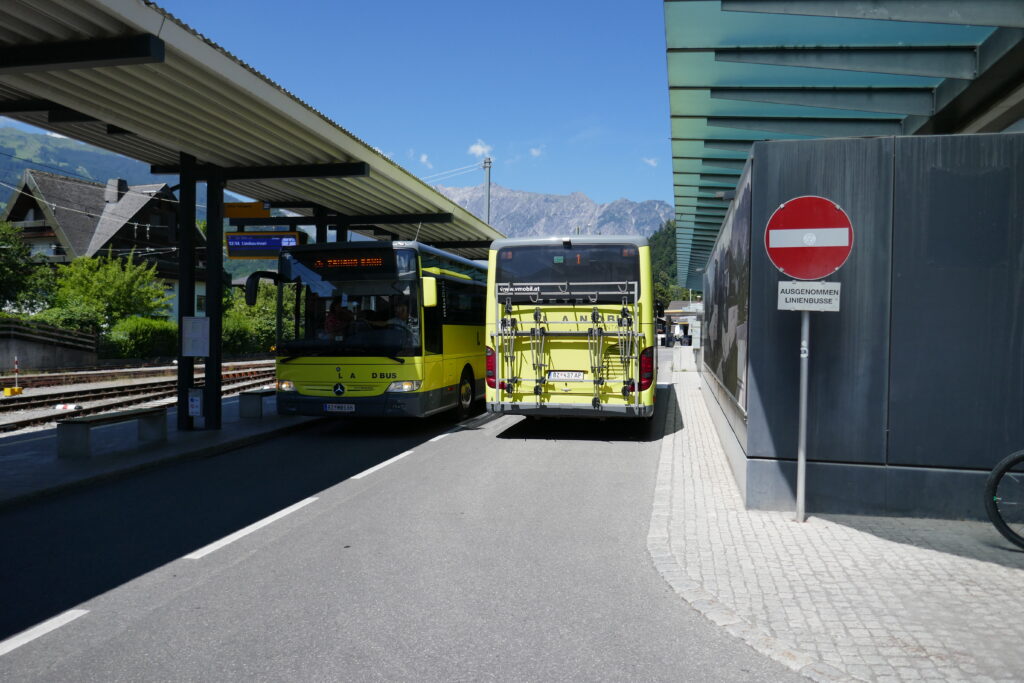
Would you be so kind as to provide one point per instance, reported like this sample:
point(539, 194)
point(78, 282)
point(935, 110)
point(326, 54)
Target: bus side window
point(464, 303)
point(433, 339)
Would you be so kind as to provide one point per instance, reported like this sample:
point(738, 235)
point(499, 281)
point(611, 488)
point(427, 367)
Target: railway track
point(31, 401)
point(53, 379)
point(131, 395)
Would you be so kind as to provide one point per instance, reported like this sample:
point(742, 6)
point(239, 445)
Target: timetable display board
point(259, 245)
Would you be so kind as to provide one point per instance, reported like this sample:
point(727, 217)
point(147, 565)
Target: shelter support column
point(186, 280)
point(320, 214)
point(214, 295)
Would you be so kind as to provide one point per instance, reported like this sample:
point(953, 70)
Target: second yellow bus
point(570, 327)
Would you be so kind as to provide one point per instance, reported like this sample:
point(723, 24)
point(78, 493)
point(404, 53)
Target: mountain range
point(529, 214)
point(514, 212)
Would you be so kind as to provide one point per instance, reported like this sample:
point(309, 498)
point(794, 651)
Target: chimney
point(116, 187)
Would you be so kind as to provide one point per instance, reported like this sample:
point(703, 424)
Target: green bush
point(140, 338)
point(238, 334)
point(81, 317)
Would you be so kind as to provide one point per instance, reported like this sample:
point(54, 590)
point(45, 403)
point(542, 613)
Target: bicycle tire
point(1004, 498)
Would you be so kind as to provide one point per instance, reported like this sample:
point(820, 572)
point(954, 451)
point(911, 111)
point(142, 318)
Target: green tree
point(258, 322)
point(663, 265)
point(93, 294)
point(37, 294)
point(16, 265)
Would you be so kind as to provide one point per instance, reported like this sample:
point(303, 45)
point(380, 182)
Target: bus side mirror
point(252, 284)
point(429, 292)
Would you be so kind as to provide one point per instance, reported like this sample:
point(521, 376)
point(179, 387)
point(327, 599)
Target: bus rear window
point(558, 263)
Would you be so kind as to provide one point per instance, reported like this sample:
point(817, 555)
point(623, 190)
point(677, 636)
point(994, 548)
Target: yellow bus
point(382, 329)
point(570, 324)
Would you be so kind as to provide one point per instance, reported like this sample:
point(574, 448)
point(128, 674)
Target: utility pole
point(487, 173)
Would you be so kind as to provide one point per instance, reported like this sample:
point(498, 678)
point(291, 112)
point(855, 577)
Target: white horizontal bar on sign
point(809, 237)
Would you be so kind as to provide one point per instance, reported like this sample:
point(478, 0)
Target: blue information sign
point(259, 245)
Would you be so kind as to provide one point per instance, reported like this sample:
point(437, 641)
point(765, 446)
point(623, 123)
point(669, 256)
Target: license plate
point(339, 407)
point(565, 375)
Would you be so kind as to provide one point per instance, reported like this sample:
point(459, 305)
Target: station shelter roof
point(741, 71)
point(127, 76)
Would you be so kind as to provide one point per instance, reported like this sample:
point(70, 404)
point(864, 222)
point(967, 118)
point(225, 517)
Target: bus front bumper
point(418, 404)
point(570, 409)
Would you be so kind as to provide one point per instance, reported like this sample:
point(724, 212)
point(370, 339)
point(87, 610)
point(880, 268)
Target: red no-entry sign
point(808, 238)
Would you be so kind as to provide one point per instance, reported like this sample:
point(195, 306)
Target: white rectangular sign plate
point(195, 336)
point(809, 296)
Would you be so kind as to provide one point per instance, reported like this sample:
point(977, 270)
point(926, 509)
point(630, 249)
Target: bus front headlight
point(405, 385)
point(285, 385)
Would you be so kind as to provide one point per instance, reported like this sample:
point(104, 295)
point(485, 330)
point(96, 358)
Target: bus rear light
point(491, 368)
point(646, 368)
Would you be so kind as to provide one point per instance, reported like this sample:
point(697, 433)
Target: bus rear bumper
point(385, 405)
point(569, 410)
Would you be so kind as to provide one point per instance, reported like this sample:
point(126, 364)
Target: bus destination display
point(259, 245)
point(349, 264)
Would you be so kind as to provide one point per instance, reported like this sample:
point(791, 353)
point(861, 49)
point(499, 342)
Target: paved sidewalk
point(29, 466)
point(839, 597)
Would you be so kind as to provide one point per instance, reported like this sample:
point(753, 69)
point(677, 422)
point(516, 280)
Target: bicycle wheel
point(1004, 497)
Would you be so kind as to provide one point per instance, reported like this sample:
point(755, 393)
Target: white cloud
point(479, 149)
point(589, 134)
point(56, 135)
point(425, 160)
point(536, 151)
point(650, 162)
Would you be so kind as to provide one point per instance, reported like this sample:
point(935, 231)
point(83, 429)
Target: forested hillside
point(663, 263)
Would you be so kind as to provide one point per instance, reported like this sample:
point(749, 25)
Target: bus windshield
point(356, 317)
point(572, 263)
point(567, 273)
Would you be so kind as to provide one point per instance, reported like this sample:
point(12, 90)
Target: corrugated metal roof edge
point(152, 5)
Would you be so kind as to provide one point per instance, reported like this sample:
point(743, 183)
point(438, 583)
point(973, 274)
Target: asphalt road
point(505, 549)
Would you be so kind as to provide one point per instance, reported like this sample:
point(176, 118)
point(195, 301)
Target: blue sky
point(565, 95)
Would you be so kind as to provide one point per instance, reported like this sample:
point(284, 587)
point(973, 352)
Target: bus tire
point(466, 395)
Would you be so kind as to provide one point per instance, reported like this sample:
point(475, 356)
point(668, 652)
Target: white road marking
point(42, 629)
point(439, 436)
point(380, 465)
point(217, 545)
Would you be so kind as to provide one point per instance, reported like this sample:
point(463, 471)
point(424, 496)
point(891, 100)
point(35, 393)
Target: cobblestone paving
point(839, 597)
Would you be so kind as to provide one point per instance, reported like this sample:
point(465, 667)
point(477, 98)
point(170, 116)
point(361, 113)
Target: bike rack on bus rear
point(626, 332)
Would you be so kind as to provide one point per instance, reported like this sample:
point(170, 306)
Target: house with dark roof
point(64, 218)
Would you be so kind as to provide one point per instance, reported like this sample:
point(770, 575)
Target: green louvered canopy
point(740, 71)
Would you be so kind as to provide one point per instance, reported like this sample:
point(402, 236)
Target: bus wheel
point(464, 407)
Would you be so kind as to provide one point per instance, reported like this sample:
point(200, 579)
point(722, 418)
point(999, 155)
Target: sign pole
point(807, 238)
point(801, 449)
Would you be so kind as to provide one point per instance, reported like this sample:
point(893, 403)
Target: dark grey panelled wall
point(917, 385)
point(957, 395)
point(727, 299)
point(849, 361)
